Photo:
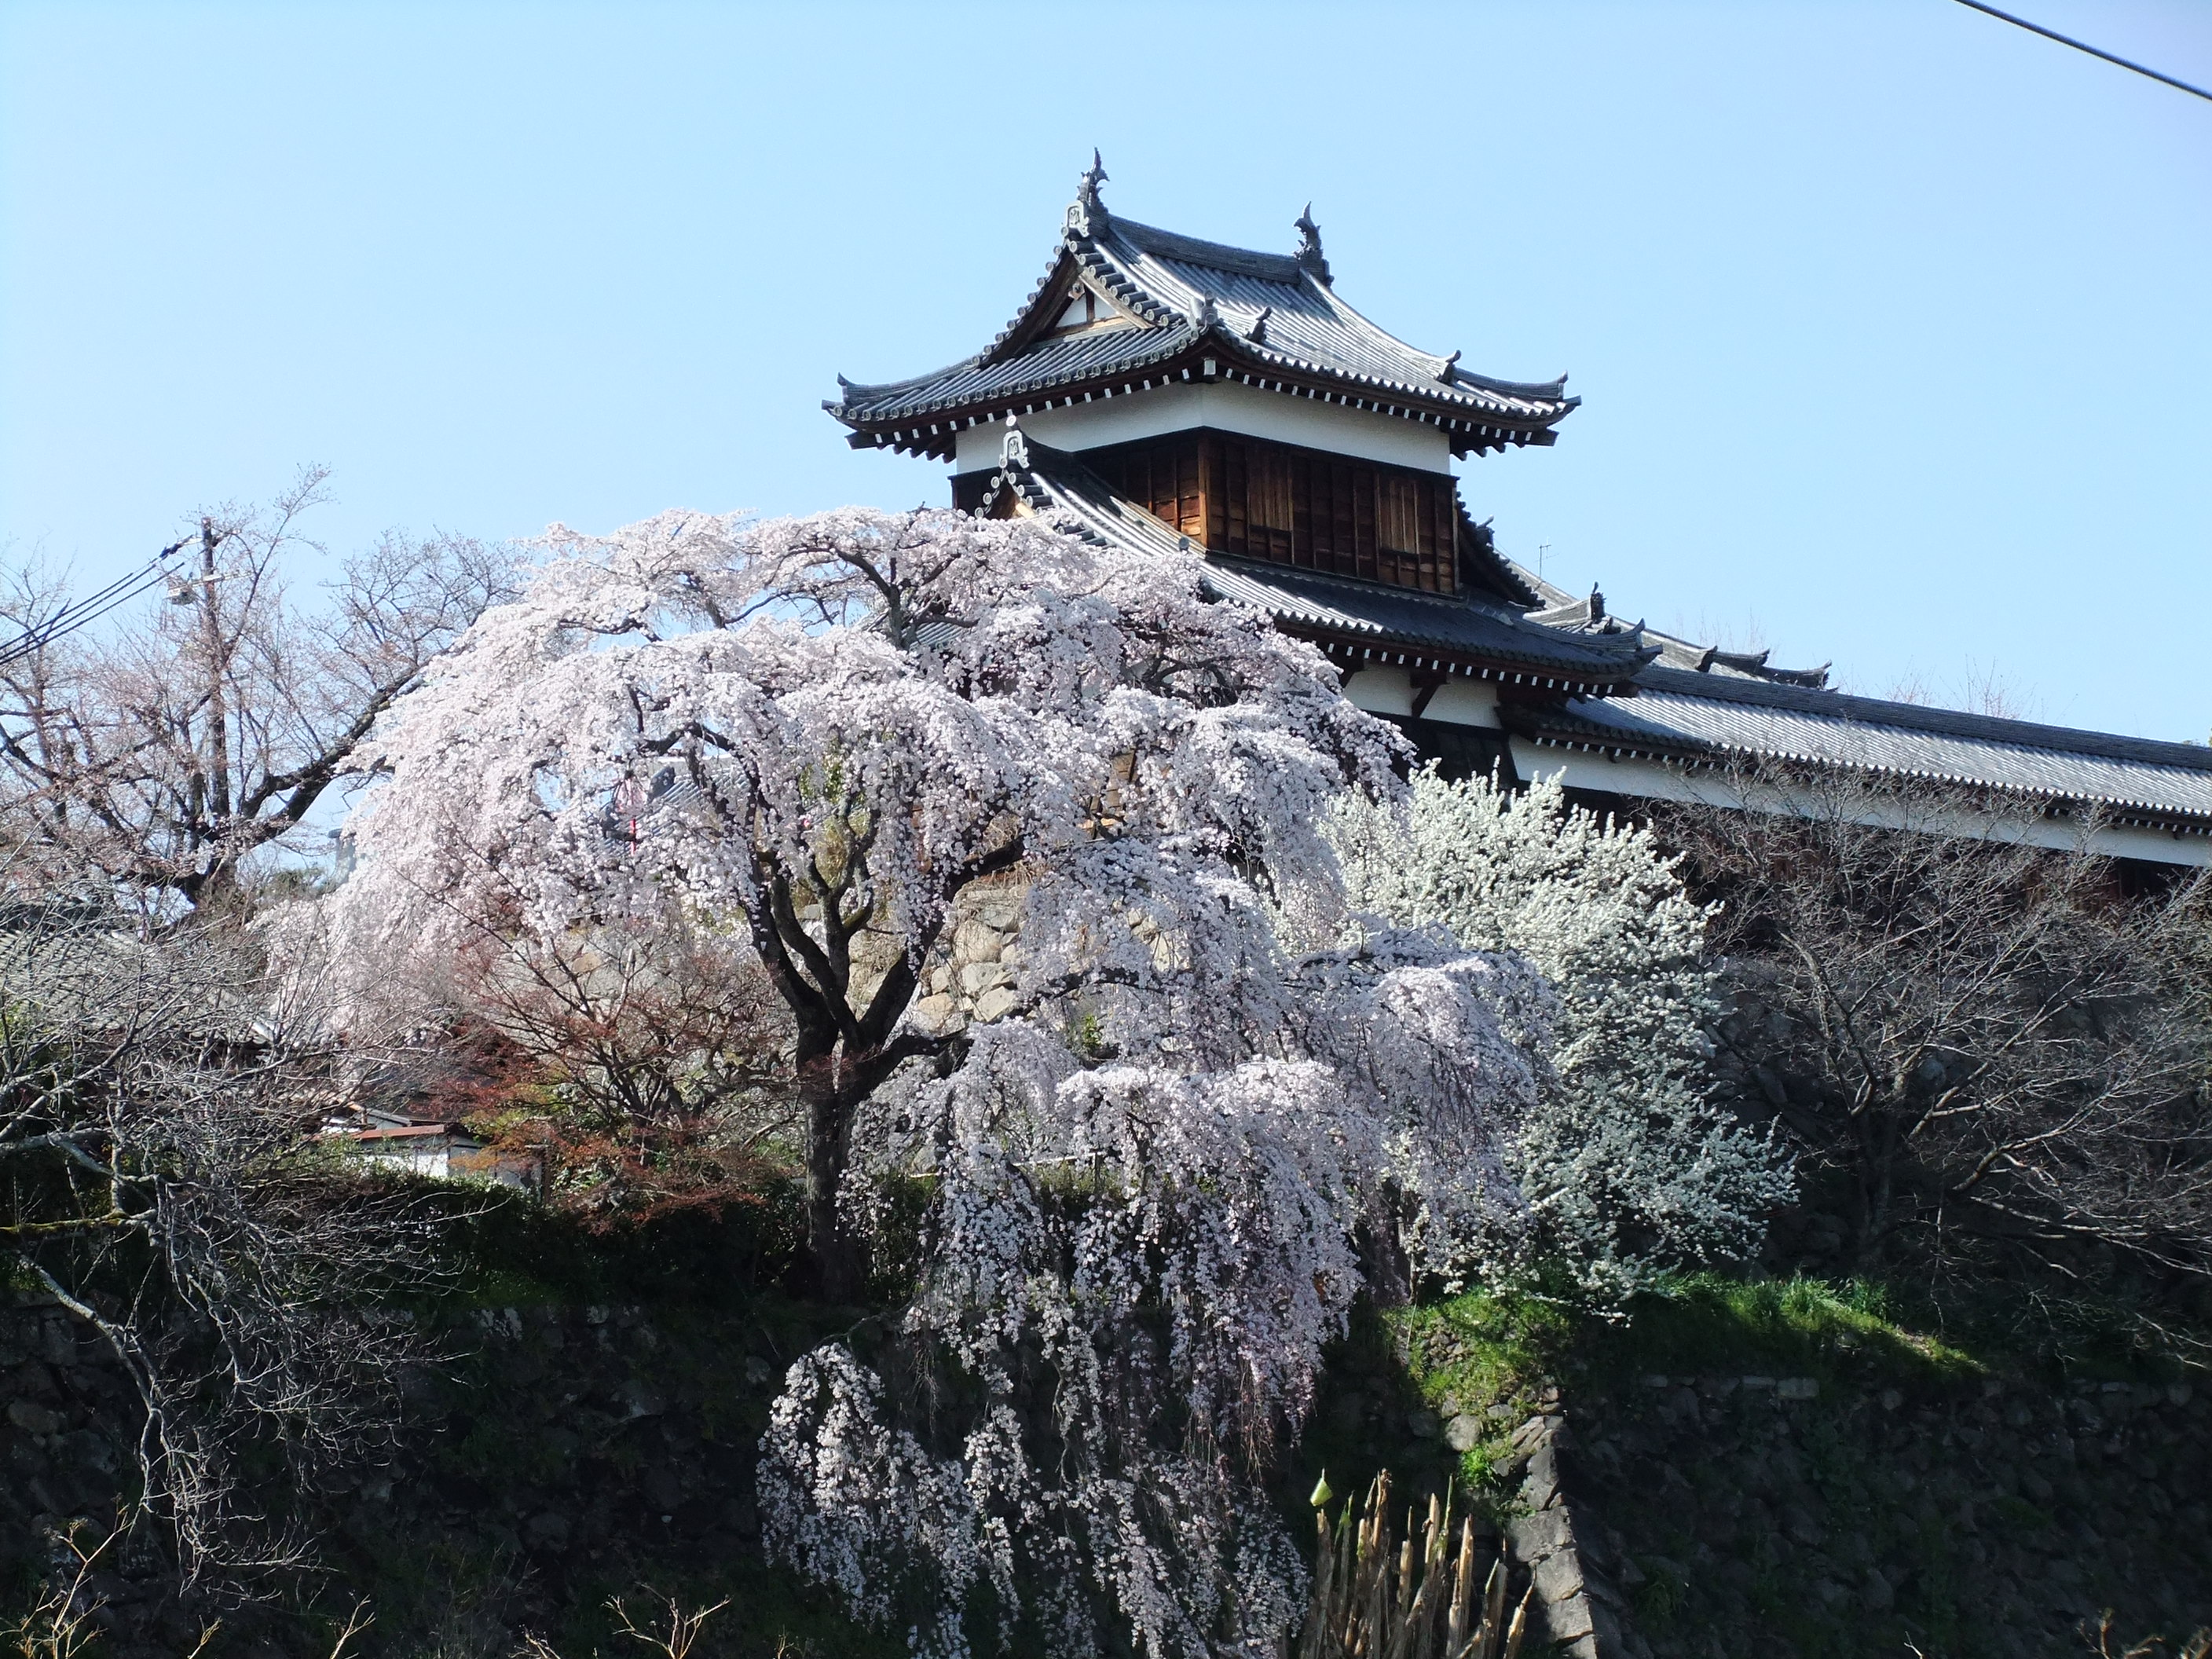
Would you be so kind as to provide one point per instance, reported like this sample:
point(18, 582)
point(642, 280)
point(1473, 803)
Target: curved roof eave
point(1684, 718)
point(1450, 402)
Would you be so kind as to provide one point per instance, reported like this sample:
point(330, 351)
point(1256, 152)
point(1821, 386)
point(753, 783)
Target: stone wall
point(971, 975)
point(568, 1455)
point(1571, 1560)
point(575, 1453)
point(61, 1401)
point(1743, 1514)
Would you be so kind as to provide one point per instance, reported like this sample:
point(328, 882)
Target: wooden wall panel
point(1294, 506)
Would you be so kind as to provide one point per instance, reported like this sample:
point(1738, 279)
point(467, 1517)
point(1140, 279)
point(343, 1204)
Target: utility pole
point(218, 793)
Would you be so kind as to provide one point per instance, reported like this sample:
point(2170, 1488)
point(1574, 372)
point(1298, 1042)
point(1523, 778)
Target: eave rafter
point(1351, 655)
point(938, 434)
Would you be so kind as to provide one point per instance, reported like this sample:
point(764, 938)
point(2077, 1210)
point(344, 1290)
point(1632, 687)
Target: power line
point(2083, 46)
point(79, 613)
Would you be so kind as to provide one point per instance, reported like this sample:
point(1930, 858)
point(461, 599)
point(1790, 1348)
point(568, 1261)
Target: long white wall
point(1225, 406)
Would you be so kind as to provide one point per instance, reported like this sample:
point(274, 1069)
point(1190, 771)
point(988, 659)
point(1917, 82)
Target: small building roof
point(1266, 319)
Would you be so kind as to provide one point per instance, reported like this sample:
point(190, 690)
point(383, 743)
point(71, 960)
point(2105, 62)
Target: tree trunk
point(840, 1274)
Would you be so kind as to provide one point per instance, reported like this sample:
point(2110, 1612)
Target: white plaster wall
point(1225, 406)
point(1381, 690)
point(1653, 781)
point(1464, 702)
point(1391, 691)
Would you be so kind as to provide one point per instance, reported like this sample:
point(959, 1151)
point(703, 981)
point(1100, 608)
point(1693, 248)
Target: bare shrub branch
point(1982, 1038)
point(165, 1182)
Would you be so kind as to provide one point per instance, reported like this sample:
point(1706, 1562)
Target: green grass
point(1870, 1348)
point(1483, 1347)
point(1495, 1354)
point(1804, 1327)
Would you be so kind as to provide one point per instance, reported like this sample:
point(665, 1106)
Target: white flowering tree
point(1133, 1210)
point(1628, 1165)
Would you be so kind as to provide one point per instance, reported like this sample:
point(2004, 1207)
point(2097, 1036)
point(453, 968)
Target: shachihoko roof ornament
point(1086, 200)
point(1309, 254)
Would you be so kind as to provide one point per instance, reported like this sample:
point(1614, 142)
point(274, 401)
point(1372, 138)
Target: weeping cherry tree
point(1131, 1211)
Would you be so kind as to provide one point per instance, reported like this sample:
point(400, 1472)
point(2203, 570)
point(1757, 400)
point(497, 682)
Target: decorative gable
point(1086, 307)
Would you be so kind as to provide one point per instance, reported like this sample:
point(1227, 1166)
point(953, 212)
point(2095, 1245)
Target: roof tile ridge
point(1327, 579)
point(1063, 251)
point(1470, 396)
point(1496, 612)
point(1551, 391)
point(1065, 476)
point(1097, 251)
point(1192, 249)
point(1448, 373)
point(1657, 738)
point(1485, 549)
point(1089, 251)
point(1172, 341)
point(1185, 303)
point(1379, 382)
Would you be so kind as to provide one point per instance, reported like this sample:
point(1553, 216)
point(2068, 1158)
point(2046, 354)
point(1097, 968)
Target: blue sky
point(1893, 323)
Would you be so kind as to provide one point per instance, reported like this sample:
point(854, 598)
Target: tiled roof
point(1380, 623)
point(1589, 615)
point(1270, 320)
point(1395, 616)
point(1682, 714)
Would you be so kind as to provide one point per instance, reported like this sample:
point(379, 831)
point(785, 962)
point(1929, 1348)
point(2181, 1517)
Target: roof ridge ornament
point(1207, 316)
point(1258, 332)
point(1450, 362)
point(1309, 254)
point(1086, 201)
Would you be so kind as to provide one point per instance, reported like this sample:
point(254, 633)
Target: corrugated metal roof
point(1675, 713)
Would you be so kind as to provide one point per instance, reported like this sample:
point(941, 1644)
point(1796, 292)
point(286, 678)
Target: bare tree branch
point(166, 752)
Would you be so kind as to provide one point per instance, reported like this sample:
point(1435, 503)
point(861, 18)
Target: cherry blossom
point(1128, 1214)
point(1629, 1165)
